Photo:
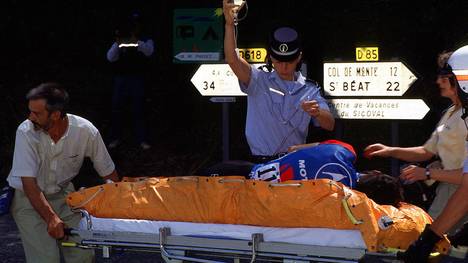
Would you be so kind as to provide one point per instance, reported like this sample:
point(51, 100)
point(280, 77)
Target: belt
point(266, 158)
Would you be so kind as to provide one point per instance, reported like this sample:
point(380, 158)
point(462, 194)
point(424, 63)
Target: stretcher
point(198, 242)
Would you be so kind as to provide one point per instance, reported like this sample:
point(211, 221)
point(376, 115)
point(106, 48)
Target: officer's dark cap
point(284, 44)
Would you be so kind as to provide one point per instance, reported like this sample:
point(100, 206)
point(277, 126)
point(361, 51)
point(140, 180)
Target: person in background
point(129, 56)
point(49, 150)
point(446, 142)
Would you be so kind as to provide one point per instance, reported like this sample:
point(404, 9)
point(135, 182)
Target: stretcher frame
point(176, 249)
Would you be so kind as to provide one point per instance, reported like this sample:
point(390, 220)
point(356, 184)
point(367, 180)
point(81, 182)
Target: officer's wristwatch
point(428, 174)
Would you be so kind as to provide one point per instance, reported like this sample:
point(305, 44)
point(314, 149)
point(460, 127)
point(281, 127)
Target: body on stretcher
point(195, 242)
point(236, 202)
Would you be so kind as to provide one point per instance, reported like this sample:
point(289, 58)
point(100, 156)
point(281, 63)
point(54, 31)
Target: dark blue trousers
point(128, 89)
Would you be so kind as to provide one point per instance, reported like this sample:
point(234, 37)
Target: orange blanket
point(234, 200)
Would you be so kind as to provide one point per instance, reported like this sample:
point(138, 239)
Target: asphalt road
point(11, 249)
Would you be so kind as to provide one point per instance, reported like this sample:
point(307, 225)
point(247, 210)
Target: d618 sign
point(254, 55)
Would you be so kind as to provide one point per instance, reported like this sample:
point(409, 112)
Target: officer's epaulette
point(316, 84)
point(266, 68)
point(312, 82)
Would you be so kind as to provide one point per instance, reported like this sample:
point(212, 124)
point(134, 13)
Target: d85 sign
point(367, 54)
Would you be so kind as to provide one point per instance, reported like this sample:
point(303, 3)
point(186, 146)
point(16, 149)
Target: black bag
point(6, 197)
point(226, 168)
point(382, 188)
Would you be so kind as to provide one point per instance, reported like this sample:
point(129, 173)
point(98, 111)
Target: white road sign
point(366, 79)
point(198, 56)
point(223, 99)
point(216, 80)
point(378, 109)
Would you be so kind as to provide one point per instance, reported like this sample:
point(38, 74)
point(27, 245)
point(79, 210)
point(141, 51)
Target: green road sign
point(197, 35)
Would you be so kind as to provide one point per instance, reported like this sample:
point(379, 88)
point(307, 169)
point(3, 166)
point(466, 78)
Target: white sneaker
point(113, 144)
point(145, 146)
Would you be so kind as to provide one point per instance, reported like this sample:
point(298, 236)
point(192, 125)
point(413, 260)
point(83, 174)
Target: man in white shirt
point(49, 150)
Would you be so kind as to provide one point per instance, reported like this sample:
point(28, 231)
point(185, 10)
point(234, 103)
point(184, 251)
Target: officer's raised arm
point(239, 66)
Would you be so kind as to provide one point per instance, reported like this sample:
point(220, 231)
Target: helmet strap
point(464, 112)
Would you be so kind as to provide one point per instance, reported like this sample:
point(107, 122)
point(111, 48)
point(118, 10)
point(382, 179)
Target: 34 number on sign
point(207, 85)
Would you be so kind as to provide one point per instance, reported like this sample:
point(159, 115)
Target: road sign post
point(225, 120)
point(395, 164)
point(225, 131)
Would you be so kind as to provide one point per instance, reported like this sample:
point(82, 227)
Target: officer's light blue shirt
point(275, 119)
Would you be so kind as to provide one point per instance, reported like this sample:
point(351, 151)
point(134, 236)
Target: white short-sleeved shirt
point(275, 119)
point(447, 140)
point(55, 164)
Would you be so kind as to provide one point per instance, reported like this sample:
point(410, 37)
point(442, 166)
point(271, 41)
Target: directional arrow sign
point(378, 109)
point(198, 56)
point(217, 80)
point(367, 79)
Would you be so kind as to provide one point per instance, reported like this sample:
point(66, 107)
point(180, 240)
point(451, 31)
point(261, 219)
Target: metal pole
point(395, 163)
point(225, 131)
point(338, 129)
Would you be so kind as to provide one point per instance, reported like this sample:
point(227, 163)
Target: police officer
point(457, 206)
point(281, 103)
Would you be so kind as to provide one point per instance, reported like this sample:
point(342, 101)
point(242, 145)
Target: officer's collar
point(292, 86)
point(301, 80)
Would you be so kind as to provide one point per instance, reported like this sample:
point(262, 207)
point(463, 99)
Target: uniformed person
point(281, 103)
point(446, 142)
point(457, 205)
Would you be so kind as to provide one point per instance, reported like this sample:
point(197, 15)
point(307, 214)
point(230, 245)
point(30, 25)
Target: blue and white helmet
point(458, 63)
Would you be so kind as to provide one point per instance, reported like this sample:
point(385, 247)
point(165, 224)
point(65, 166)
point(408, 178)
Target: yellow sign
point(254, 55)
point(367, 54)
